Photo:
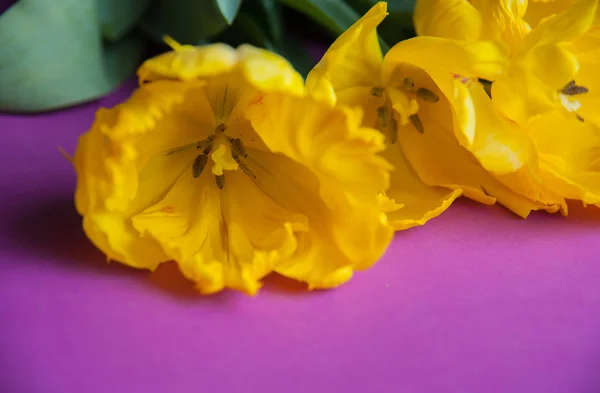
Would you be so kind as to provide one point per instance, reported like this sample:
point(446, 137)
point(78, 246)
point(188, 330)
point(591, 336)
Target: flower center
point(405, 103)
point(227, 153)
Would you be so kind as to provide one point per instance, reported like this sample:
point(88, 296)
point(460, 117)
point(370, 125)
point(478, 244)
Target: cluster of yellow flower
point(226, 162)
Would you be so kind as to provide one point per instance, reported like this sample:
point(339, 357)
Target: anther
point(237, 147)
point(377, 91)
point(221, 128)
point(206, 142)
point(220, 180)
point(487, 86)
point(572, 89)
point(408, 83)
point(393, 130)
point(199, 164)
point(579, 117)
point(382, 115)
point(416, 121)
point(427, 95)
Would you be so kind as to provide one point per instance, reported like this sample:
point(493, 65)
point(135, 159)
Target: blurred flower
point(220, 163)
point(412, 97)
point(550, 89)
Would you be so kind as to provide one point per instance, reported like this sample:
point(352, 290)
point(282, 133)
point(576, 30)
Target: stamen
point(393, 130)
point(408, 83)
point(221, 128)
point(572, 89)
point(487, 86)
point(377, 91)
point(237, 147)
point(382, 115)
point(199, 164)
point(427, 95)
point(416, 121)
point(220, 180)
point(579, 117)
point(207, 142)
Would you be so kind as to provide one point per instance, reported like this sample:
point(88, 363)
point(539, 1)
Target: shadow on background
point(49, 231)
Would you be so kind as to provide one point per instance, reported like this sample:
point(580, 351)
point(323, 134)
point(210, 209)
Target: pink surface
point(476, 301)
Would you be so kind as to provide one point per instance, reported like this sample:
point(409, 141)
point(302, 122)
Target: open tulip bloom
point(225, 162)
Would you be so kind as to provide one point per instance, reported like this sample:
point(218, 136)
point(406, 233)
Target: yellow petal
point(268, 71)
point(329, 141)
point(503, 21)
point(418, 201)
point(189, 62)
point(263, 69)
point(354, 59)
point(564, 65)
point(222, 238)
point(339, 239)
point(500, 145)
point(320, 87)
point(334, 178)
point(470, 59)
point(570, 156)
point(574, 21)
point(438, 159)
point(455, 19)
point(540, 10)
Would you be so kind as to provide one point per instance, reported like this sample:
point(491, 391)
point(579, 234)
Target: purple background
point(476, 301)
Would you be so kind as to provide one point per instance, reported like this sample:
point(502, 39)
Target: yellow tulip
point(550, 89)
point(413, 97)
point(219, 162)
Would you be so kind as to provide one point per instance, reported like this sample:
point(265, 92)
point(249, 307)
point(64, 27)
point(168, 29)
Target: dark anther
point(572, 89)
point(416, 121)
point(377, 91)
point(220, 180)
point(579, 117)
point(393, 130)
point(238, 147)
point(199, 164)
point(382, 115)
point(487, 86)
point(220, 128)
point(427, 95)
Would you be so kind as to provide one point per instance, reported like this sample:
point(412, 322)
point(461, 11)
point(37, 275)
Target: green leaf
point(52, 55)
point(118, 17)
point(298, 54)
point(273, 20)
point(229, 9)
point(189, 21)
point(246, 30)
point(335, 15)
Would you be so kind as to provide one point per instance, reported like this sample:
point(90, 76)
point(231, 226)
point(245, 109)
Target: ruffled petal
point(570, 156)
point(418, 202)
point(334, 177)
point(261, 68)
